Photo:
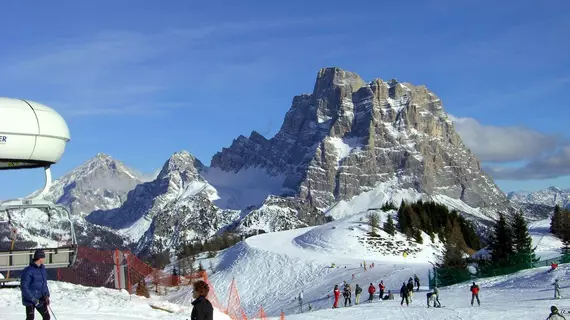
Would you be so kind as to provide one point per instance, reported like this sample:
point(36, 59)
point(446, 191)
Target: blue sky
point(140, 82)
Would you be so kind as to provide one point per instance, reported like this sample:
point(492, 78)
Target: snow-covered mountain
point(550, 197)
point(348, 146)
point(100, 183)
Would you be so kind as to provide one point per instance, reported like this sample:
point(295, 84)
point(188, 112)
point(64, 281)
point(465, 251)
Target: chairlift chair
point(33, 136)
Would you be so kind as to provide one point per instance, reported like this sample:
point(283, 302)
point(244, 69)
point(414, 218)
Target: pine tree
point(556, 222)
point(500, 241)
point(389, 227)
point(454, 248)
point(522, 241)
point(564, 232)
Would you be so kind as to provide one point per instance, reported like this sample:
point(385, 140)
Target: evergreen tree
point(389, 227)
point(500, 241)
point(454, 248)
point(522, 241)
point(556, 222)
point(564, 232)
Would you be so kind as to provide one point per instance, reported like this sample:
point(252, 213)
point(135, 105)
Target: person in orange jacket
point(371, 291)
point(382, 288)
point(336, 296)
point(475, 294)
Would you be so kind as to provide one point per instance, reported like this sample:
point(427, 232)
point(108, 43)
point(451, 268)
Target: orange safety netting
point(100, 267)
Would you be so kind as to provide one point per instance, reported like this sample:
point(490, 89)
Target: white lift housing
point(33, 135)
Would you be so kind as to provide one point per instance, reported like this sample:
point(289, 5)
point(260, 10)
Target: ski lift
point(33, 136)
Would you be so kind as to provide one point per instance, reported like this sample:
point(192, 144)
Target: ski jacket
point(381, 285)
point(336, 293)
point(556, 285)
point(475, 289)
point(371, 289)
point(436, 291)
point(410, 286)
point(404, 290)
point(202, 309)
point(358, 290)
point(33, 283)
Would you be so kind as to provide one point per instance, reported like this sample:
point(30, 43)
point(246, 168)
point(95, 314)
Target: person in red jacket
point(336, 296)
point(382, 287)
point(475, 294)
point(371, 291)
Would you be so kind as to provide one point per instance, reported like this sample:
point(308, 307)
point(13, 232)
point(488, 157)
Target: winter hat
point(553, 309)
point(39, 254)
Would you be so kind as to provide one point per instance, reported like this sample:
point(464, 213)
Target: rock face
point(348, 136)
point(101, 183)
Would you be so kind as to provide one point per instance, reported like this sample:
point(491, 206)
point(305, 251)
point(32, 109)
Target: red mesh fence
point(123, 270)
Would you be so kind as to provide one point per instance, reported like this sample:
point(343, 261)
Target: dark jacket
point(202, 309)
point(404, 290)
point(33, 284)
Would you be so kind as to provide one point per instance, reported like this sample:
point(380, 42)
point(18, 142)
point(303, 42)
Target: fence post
point(129, 285)
point(117, 270)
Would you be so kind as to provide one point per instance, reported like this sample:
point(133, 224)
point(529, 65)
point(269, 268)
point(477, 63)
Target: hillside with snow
point(272, 269)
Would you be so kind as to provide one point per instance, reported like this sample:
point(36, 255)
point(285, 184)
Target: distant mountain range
point(551, 197)
point(348, 146)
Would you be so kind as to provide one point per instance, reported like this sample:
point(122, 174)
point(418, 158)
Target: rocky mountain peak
point(100, 183)
point(181, 162)
point(348, 136)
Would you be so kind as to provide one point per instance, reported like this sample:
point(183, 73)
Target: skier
point(417, 281)
point(364, 265)
point(475, 294)
point(33, 283)
point(436, 292)
point(347, 294)
point(410, 288)
point(301, 300)
point(554, 315)
point(357, 292)
point(430, 297)
point(371, 291)
point(553, 267)
point(336, 296)
point(382, 287)
point(404, 294)
point(556, 289)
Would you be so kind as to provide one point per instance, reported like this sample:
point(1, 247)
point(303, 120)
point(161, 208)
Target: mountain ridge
point(347, 146)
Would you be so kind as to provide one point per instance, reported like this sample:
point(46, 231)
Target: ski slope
point(73, 302)
point(271, 269)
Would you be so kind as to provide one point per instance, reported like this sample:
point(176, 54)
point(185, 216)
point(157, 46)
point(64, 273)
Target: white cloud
point(504, 144)
point(553, 165)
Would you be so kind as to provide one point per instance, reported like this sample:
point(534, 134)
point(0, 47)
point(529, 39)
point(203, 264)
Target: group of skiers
point(347, 293)
point(407, 289)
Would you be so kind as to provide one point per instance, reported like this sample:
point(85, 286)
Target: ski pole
point(54, 317)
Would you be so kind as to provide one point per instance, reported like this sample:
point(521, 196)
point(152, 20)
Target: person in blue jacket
point(35, 292)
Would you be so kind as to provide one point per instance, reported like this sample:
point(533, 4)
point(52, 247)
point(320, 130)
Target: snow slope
point(271, 269)
point(74, 302)
point(525, 295)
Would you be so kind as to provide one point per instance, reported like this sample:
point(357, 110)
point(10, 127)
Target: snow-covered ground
point(271, 269)
point(73, 302)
